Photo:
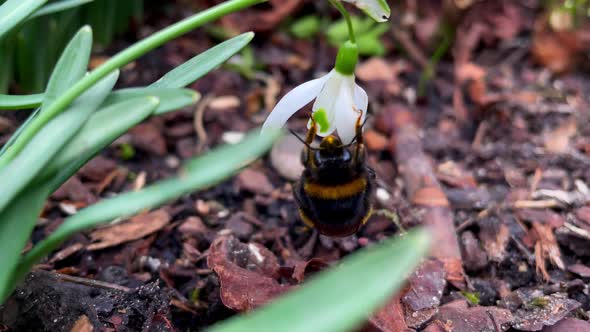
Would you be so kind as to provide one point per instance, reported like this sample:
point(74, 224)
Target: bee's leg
point(359, 151)
point(306, 157)
point(313, 130)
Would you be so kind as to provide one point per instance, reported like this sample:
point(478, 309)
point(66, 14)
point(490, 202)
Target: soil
point(493, 151)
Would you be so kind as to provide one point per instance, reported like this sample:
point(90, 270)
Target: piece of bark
point(424, 190)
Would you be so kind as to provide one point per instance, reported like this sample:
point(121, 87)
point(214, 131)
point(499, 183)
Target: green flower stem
point(347, 58)
point(346, 15)
point(119, 60)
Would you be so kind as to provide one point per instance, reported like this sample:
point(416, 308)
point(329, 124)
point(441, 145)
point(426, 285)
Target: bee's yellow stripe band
point(335, 192)
point(306, 219)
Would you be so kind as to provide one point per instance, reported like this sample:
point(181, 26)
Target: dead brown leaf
point(550, 310)
point(247, 273)
point(569, 325)
point(132, 229)
point(390, 318)
point(474, 319)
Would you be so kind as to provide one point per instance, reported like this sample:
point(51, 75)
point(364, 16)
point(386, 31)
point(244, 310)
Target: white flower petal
point(361, 100)
point(327, 100)
point(378, 10)
point(294, 101)
point(347, 116)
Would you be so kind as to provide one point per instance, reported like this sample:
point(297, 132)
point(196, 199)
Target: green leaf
point(306, 27)
point(49, 140)
point(120, 59)
point(13, 12)
point(12, 102)
point(342, 298)
point(55, 7)
point(70, 67)
point(202, 172)
point(170, 99)
point(101, 129)
point(16, 225)
point(203, 63)
point(18, 219)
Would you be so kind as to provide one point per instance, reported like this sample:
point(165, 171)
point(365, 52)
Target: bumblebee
point(335, 191)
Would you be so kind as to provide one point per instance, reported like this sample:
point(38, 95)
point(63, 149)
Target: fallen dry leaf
point(132, 229)
point(474, 319)
point(425, 289)
point(552, 309)
point(305, 268)
point(247, 273)
point(569, 325)
point(390, 318)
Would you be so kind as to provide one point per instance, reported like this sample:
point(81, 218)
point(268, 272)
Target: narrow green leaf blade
point(12, 102)
point(203, 63)
point(16, 225)
point(343, 297)
point(204, 171)
point(101, 129)
point(55, 7)
point(13, 12)
point(70, 67)
point(170, 99)
point(49, 140)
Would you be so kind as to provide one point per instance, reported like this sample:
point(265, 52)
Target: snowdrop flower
point(378, 10)
point(339, 101)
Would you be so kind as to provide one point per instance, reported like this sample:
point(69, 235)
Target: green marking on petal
point(321, 118)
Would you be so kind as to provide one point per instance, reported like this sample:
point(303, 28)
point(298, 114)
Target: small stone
point(254, 181)
point(285, 157)
point(202, 207)
point(232, 137)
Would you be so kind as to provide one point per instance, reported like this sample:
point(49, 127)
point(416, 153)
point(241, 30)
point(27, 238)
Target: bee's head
point(331, 154)
point(331, 144)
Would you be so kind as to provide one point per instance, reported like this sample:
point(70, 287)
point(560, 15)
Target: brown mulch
point(493, 153)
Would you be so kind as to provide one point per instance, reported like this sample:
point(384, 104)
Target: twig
point(92, 282)
point(198, 123)
point(541, 204)
point(424, 190)
point(577, 230)
point(413, 50)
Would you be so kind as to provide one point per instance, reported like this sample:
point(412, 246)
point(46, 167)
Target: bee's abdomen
point(335, 210)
